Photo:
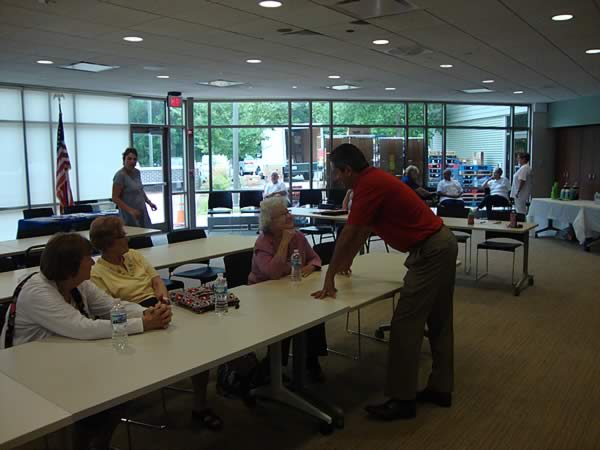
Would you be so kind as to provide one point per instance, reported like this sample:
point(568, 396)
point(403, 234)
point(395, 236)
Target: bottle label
point(118, 318)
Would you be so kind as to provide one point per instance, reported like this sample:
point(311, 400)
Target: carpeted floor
point(527, 375)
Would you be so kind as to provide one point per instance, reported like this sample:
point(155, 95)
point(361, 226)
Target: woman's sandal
point(209, 419)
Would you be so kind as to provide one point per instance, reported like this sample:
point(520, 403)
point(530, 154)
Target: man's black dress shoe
point(443, 399)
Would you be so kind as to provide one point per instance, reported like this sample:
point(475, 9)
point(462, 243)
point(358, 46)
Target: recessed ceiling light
point(446, 66)
point(164, 77)
point(517, 92)
point(562, 17)
point(133, 39)
point(381, 42)
point(334, 77)
point(390, 89)
point(44, 61)
point(269, 4)
point(488, 81)
point(254, 61)
point(294, 87)
point(221, 83)
point(342, 87)
point(593, 51)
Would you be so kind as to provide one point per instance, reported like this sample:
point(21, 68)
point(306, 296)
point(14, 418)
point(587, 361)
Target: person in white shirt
point(450, 191)
point(275, 187)
point(62, 301)
point(499, 187)
point(522, 182)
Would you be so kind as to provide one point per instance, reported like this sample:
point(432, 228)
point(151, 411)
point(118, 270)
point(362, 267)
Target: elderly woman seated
point(123, 272)
point(62, 301)
point(271, 261)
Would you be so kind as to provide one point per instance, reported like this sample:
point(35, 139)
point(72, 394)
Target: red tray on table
point(201, 299)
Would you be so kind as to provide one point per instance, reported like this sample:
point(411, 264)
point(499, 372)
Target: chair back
point(220, 199)
point(237, 268)
point(78, 209)
point(250, 198)
point(46, 230)
point(7, 264)
point(452, 211)
point(311, 197)
point(325, 251)
point(33, 255)
point(336, 196)
point(504, 216)
point(37, 212)
point(185, 235)
point(138, 242)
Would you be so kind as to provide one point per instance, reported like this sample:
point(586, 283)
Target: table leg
point(550, 227)
point(526, 279)
point(279, 393)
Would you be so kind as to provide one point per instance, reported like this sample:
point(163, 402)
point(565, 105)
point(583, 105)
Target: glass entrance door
point(151, 144)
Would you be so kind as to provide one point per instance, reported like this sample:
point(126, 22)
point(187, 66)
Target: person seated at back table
point(275, 187)
point(450, 191)
point(499, 187)
point(124, 273)
point(411, 175)
point(271, 261)
point(62, 301)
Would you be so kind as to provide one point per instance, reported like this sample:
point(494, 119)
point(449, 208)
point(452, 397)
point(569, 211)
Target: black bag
point(238, 377)
point(8, 312)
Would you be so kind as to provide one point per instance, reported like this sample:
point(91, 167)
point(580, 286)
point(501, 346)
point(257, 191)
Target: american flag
point(63, 165)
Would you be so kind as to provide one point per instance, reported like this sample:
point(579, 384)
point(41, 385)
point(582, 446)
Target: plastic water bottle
point(220, 287)
point(118, 318)
point(296, 263)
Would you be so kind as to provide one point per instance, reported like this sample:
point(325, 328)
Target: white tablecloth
point(584, 215)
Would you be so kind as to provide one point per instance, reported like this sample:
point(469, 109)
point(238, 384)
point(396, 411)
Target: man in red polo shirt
point(386, 206)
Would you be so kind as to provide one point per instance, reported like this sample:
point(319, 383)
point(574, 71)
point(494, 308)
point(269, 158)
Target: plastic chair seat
point(499, 246)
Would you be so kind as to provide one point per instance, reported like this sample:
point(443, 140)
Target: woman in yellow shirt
point(124, 273)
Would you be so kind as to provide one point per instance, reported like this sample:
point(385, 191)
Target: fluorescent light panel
point(343, 87)
point(89, 67)
point(221, 83)
point(476, 91)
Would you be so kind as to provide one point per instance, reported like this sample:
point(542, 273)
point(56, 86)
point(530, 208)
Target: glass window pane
point(416, 114)
point(201, 210)
point(320, 113)
point(242, 157)
point(36, 106)
point(435, 114)
point(249, 113)
point(362, 113)
point(101, 109)
point(66, 103)
point(8, 223)
point(39, 159)
point(201, 160)
point(300, 113)
point(99, 151)
point(520, 145)
point(200, 113)
point(300, 150)
point(178, 213)
point(389, 150)
point(478, 115)
point(12, 172)
point(521, 118)
point(149, 144)
point(433, 169)
point(415, 150)
point(321, 141)
point(177, 144)
point(146, 111)
point(176, 115)
point(10, 99)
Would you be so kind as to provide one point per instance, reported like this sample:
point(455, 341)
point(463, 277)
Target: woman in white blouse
point(62, 301)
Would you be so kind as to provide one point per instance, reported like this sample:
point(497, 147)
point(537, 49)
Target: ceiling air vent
point(368, 9)
point(413, 50)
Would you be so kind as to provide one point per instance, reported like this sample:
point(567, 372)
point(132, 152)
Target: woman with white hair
point(271, 261)
point(411, 175)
